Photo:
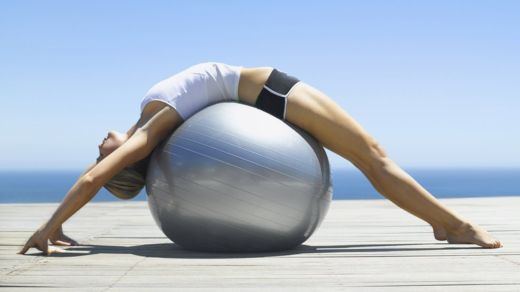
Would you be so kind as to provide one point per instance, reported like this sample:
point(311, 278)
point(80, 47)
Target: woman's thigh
point(318, 114)
point(315, 112)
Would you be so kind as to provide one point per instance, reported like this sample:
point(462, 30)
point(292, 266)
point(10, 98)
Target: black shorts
point(273, 97)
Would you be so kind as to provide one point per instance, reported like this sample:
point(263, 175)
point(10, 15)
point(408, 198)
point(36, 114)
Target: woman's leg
point(335, 129)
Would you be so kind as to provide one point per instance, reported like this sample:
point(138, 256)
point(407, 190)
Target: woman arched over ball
point(122, 159)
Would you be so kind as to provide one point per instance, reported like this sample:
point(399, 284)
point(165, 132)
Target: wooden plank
point(365, 245)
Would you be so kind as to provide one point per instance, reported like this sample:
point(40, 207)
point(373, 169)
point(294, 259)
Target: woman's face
point(110, 143)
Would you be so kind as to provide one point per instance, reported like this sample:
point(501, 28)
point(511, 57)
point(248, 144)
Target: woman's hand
point(59, 238)
point(39, 240)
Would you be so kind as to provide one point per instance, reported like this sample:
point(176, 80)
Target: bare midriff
point(251, 83)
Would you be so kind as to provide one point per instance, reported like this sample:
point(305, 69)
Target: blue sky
point(435, 82)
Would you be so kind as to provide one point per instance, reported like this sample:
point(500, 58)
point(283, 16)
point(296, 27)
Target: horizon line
point(417, 167)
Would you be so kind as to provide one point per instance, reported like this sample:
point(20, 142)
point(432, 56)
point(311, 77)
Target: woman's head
point(130, 181)
point(111, 142)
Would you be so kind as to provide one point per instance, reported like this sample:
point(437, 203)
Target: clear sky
point(435, 82)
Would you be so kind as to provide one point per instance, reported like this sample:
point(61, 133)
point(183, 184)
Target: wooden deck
point(361, 246)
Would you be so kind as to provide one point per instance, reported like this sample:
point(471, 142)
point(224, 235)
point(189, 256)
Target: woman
point(122, 156)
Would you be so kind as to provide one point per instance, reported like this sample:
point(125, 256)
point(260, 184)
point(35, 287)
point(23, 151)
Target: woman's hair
point(130, 181)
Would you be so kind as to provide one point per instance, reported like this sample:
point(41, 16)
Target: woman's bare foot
point(439, 233)
point(472, 233)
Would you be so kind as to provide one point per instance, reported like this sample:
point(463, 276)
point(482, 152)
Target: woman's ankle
point(458, 226)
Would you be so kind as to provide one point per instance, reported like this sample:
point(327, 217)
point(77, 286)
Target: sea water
point(51, 186)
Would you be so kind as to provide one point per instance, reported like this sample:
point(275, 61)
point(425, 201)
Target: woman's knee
point(377, 150)
point(373, 158)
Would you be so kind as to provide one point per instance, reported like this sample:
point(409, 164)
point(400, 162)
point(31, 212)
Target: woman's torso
point(205, 84)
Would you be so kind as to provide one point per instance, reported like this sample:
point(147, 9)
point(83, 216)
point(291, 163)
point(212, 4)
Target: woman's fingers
point(37, 240)
point(69, 240)
point(26, 247)
point(52, 249)
point(46, 249)
point(63, 239)
point(60, 242)
point(41, 243)
point(64, 243)
point(31, 243)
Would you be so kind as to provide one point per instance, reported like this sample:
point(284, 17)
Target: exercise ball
point(233, 178)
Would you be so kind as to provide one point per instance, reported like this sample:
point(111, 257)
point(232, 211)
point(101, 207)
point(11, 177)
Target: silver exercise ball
point(233, 178)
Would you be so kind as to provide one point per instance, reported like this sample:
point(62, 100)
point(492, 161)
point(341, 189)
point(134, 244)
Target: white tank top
point(196, 88)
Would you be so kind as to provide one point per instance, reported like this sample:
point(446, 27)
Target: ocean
point(51, 186)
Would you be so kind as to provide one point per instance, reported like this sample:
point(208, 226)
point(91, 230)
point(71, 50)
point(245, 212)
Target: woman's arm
point(58, 237)
point(137, 147)
point(131, 131)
